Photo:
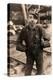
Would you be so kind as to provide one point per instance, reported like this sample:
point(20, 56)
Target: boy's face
point(31, 19)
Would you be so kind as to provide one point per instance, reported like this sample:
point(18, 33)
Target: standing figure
point(33, 36)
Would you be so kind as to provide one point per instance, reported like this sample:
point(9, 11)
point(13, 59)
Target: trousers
point(32, 56)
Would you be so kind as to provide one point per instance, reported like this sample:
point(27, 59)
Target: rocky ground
point(18, 60)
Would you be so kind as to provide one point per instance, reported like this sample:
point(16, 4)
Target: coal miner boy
point(33, 35)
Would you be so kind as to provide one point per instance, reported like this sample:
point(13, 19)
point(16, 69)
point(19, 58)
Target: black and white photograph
point(29, 31)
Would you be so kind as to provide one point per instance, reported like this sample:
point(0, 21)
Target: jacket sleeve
point(44, 39)
point(19, 45)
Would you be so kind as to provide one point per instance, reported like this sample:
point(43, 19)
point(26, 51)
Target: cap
point(34, 14)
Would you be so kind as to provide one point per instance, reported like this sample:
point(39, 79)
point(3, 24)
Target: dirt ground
point(18, 60)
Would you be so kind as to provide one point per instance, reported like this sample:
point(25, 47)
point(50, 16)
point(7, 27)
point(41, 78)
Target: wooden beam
point(24, 11)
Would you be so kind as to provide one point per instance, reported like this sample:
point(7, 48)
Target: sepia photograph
point(29, 31)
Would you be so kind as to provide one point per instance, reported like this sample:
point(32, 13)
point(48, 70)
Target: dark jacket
point(33, 37)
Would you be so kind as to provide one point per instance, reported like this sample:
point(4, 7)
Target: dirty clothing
point(34, 43)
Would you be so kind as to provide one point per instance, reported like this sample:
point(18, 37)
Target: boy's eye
point(30, 17)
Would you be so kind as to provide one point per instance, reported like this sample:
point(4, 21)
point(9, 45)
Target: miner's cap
point(34, 14)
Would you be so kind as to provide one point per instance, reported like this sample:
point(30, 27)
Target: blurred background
point(17, 15)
